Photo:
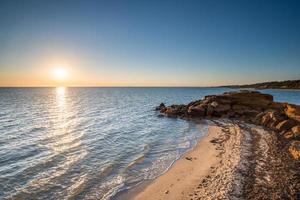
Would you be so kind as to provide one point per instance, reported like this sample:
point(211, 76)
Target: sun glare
point(60, 74)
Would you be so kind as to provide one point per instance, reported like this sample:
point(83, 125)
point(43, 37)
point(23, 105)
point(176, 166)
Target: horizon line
point(112, 86)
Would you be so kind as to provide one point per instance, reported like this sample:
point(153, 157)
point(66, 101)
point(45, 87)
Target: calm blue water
point(89, 143)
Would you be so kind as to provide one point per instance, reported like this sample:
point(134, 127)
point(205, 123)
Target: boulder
point(288, 135)
point(250, 114)
point(244, 95)
point(286, 125)
point(296, 132)
point(209, 110)
point(195, 103)
point(215, 108)
point(279, 107)
point(176, 111)
point(161, 107)
point(222, 108)
point(240, 109)
point(258, 118)
point(271, 118)
point(170, 112)
point(293, 112)
point(197, 111)
point(295, 149)
point(214, 104)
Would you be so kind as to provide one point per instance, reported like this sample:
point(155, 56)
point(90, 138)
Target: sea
point(93, 143)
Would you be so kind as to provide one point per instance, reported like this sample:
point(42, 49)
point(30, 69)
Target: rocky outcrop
point(250, 106)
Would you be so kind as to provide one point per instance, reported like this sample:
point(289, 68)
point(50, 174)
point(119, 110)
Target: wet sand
point(183, 177)
point(234, 161)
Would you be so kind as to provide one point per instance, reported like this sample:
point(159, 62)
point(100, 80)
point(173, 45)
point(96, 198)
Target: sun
point(60, 74)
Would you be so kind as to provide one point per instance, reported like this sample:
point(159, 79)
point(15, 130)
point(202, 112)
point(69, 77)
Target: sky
point(148, 43)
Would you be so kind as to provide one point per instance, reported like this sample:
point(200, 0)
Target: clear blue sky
point(174, 43)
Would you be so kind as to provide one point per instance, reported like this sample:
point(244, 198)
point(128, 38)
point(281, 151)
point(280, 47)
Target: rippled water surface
point(89, 143)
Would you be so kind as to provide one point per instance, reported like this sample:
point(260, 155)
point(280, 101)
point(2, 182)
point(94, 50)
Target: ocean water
point(90, 143)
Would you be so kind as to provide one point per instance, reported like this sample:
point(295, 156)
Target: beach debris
point(214, 141)
point(189, 158)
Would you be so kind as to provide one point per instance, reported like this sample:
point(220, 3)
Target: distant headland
point(289, 84)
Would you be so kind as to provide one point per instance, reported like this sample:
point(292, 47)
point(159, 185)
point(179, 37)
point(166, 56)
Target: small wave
point(160, 165)
point(77, 187)
point(9, 126)
point(184, 145)
point(136, 161)
point(112, 187)
point(139, 159)
point(45, 179)
point(37, 129)
point(106, 170)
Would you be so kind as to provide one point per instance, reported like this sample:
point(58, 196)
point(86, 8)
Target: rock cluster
point(251, 106)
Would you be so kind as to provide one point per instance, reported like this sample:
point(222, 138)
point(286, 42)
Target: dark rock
point(245, 111)
point(176, 111)
point(279, 107)
point(293, 112)
point(209, 110)
point(286, 125)
point(194, 103)
point(294, 133)
point(258, 118)
point(197, 111)
point(214, 141)
point(160, 107)
point(221, 107)
point(288, 135)
point(271, 118)
point(170, 112)
point(189, 158)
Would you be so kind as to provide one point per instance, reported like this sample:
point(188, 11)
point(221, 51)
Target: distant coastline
point(289, 84)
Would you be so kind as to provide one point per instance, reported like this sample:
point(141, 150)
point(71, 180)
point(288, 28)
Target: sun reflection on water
point(60, 90)
point(64, 138)
point(64, 144)
point(60, 97)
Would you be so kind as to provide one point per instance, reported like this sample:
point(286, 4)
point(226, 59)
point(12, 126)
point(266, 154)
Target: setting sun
point(60, 74)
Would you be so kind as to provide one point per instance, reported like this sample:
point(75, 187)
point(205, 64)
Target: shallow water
point(90, 143)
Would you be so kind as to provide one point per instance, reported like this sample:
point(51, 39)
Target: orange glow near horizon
point(60, 73)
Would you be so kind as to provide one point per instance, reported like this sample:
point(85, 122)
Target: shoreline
point(182, 177)
point(235, 160)
point(131, 193)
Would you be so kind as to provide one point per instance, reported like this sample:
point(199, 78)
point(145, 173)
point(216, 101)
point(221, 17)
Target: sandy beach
point(233, 161)
point(183, 179)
